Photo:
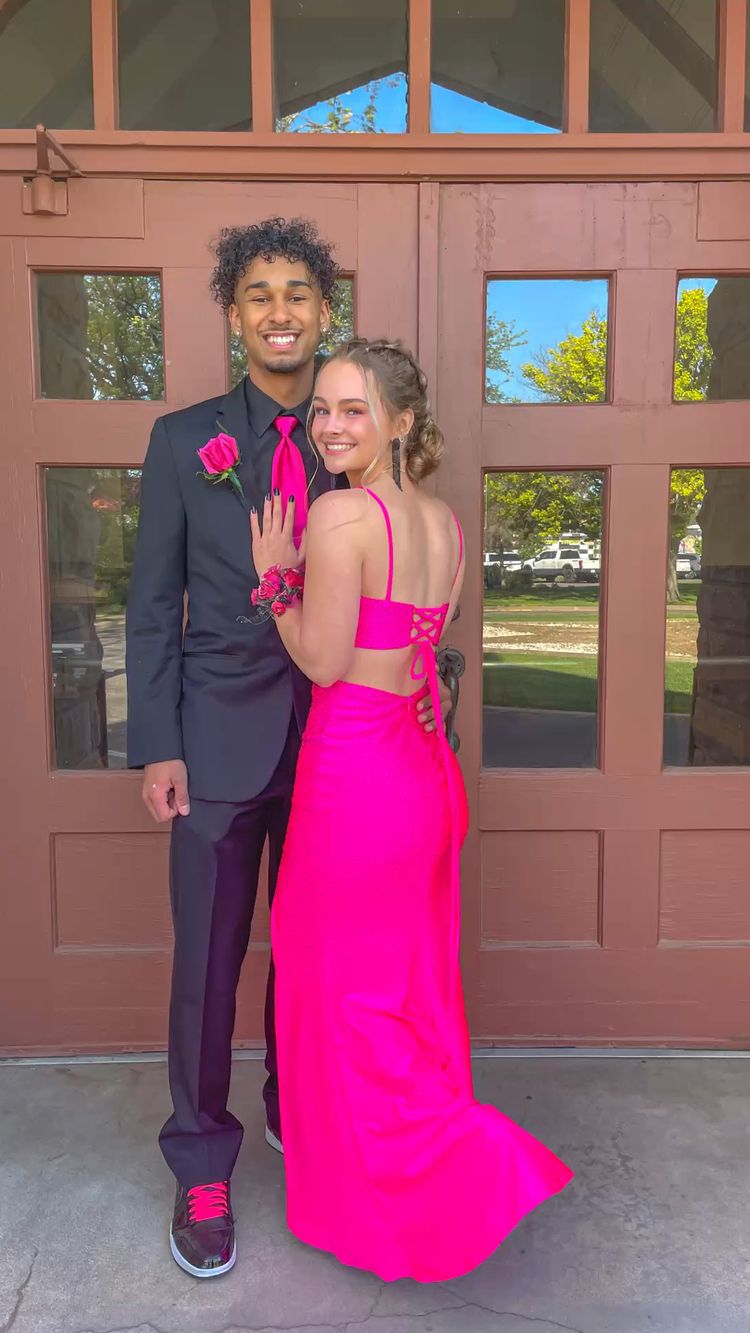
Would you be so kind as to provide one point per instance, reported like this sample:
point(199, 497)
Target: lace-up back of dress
point(388, 624)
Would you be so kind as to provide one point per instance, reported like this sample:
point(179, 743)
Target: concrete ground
point(652, 1237)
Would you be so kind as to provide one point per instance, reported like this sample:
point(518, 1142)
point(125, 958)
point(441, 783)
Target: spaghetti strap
point(460, 550)
point(389, 531)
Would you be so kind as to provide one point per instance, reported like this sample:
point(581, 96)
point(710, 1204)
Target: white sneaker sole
point(272, 1140)
point(201, 1272)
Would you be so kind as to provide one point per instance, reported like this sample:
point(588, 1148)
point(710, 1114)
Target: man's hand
point(165, 790)
point(425, 711)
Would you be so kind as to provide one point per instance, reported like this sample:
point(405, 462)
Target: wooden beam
point(261, 46)
point(731, 48)
point(667, 35)
point(104, 62)
point(420, 59)
point(577, 44)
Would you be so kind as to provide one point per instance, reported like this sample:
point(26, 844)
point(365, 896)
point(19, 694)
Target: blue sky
point(687, 284)
point(546, 309)
point(452, 113)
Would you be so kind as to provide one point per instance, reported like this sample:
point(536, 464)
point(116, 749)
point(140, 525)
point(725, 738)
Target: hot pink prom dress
point(391, 1163)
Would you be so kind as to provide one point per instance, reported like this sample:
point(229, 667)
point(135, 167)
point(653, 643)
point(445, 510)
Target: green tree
point(526, 510)
point(501, 336)
point(124, 335)
point(693, 352)
point(575, 371)
point(339, 118)
point(686, 493)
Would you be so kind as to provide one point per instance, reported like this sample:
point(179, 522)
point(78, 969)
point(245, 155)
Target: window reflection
point(712, 338)
point(340, 68)
point(184, 66)
point(707, 669)
point(542, 568)
point(546, 340)
point(342, 327)
point(653, 65)
point(92, 518)
point(100, 335)
point(45, 64)
point(497, 69)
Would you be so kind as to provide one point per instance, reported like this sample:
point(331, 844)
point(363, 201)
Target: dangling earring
point(396, 446)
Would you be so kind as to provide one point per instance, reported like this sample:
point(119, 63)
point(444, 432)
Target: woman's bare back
point(426, 572)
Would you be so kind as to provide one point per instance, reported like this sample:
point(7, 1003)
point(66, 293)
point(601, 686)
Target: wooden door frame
point(43, 803)
point(629, 796)
point(261, 153)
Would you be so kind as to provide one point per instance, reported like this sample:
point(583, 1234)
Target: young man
point(215, 710)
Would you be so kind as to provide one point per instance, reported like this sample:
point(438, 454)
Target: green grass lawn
point(567, 684)
point(549, 601)
point(546, 596)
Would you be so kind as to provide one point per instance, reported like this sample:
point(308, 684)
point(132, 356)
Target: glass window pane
point(497, 69)
point(340, 68)
point(546, 340)
point(45, 64)
point(653, 65)
point(100, 335)
point(342, 327)
point(184, 66)
point(542, 564)
point(92, 518)
point(707, 669)
point(712, 338)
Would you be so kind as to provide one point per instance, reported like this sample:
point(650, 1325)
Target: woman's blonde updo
point(401, 385)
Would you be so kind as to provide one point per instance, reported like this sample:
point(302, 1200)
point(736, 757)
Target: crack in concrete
point(346, 1325)
point(130, 1328)
point(514, 1314)
point(21, 1292)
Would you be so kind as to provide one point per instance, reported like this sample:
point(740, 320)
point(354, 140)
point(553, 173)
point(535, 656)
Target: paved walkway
point(652, 1237)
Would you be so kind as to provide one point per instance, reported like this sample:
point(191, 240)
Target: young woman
point(392, 1165)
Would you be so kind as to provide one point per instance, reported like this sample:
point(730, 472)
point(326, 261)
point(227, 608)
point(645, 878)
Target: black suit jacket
point(221, 696)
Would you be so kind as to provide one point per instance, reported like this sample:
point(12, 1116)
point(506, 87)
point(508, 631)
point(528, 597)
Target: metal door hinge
point(44, 192)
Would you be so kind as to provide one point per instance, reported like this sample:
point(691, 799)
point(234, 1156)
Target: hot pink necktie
point(288, 474)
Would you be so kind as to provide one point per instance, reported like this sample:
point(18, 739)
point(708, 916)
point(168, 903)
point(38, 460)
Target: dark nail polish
point(291, 499)
point(276, 490)
point(253, 510)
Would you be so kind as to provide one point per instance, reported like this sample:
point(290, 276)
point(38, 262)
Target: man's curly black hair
point(296, 239)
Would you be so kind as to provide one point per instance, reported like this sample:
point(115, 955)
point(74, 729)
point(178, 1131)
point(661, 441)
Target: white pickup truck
point(566, 563)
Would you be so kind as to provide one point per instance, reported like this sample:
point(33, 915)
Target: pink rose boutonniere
point(220, 457)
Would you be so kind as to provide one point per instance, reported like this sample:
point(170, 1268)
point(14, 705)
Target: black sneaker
point(202, 1234)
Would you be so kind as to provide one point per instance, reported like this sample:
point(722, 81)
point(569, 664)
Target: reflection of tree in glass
point(693, 352)
point(501, 336)
point(687, 489)
point(575, 371)
point(339, 118)
point(124, 335)
point(525, 510)
point(115, 495)
point(342, 326)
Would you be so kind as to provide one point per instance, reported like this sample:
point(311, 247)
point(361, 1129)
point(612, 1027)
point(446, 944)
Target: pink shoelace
point(206, 1202)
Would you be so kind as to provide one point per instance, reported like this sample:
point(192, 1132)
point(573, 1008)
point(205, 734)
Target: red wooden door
point(605, 877)
point(109, 323)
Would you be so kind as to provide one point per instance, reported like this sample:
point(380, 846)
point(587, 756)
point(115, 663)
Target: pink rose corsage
point(220, 457)
point(278, 589)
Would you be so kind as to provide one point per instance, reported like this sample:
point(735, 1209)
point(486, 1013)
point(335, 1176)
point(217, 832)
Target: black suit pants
point(214, 864)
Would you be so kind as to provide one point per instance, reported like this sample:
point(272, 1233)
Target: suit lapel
point(231, 417)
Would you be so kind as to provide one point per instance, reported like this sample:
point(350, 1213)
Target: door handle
point(451, 665)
